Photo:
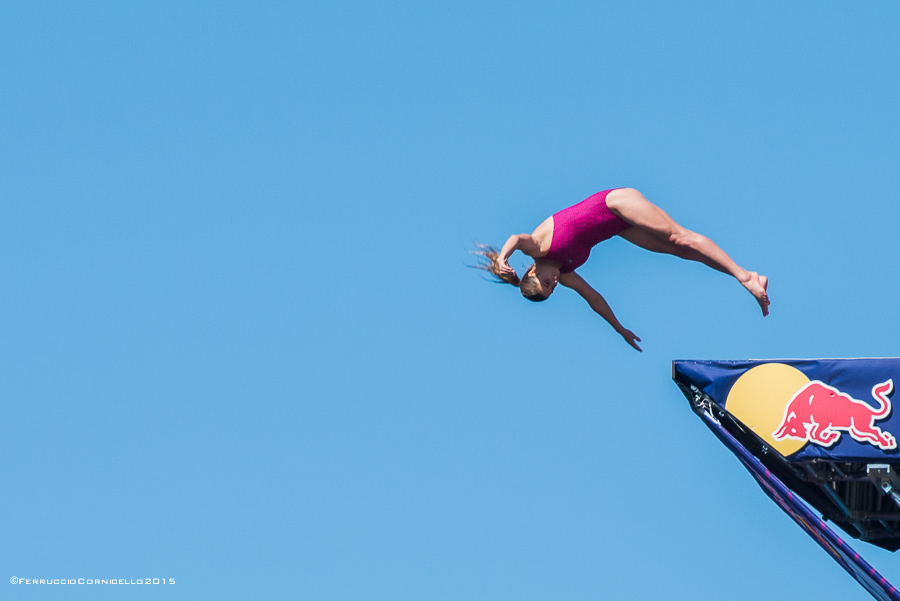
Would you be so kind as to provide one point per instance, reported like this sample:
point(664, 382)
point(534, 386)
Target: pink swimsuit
point(577, 229)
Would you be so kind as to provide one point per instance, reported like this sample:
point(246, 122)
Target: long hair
point(528, 285)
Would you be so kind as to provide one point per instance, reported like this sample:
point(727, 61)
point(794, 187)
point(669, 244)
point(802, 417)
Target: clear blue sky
point(241, 347)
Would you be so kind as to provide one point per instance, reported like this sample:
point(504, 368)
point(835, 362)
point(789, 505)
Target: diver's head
point(539, 282)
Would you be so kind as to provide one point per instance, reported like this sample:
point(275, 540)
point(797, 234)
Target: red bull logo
point(820, 413)
point(789, 411)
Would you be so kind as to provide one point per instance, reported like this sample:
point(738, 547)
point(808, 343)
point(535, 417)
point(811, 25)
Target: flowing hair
point(528, 285)
point(487, 261)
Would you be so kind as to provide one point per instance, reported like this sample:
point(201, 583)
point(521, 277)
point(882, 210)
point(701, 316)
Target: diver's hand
point(630, 338)
point(504, 268)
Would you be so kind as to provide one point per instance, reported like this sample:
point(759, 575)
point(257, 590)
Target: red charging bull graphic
point(819, 413)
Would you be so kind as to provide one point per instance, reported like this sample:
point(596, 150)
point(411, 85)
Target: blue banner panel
point(839, 550)
point(834, 409)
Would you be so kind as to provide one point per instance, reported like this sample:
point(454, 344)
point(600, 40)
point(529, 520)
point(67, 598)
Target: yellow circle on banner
point(759, 397)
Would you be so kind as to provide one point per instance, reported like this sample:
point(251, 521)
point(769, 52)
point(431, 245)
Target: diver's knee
point(685, 239)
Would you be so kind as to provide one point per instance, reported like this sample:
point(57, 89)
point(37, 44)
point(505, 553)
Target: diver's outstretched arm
point(598, 304)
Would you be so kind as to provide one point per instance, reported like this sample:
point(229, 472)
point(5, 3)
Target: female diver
point(563, 243)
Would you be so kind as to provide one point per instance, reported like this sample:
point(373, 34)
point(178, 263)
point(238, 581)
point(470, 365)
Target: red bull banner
point(838, 409)
point(818, 435)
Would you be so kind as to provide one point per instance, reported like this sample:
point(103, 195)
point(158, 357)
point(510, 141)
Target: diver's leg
point(670, 237)
point(649, 241)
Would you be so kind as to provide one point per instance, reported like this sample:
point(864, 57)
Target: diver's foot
point(756, 284)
